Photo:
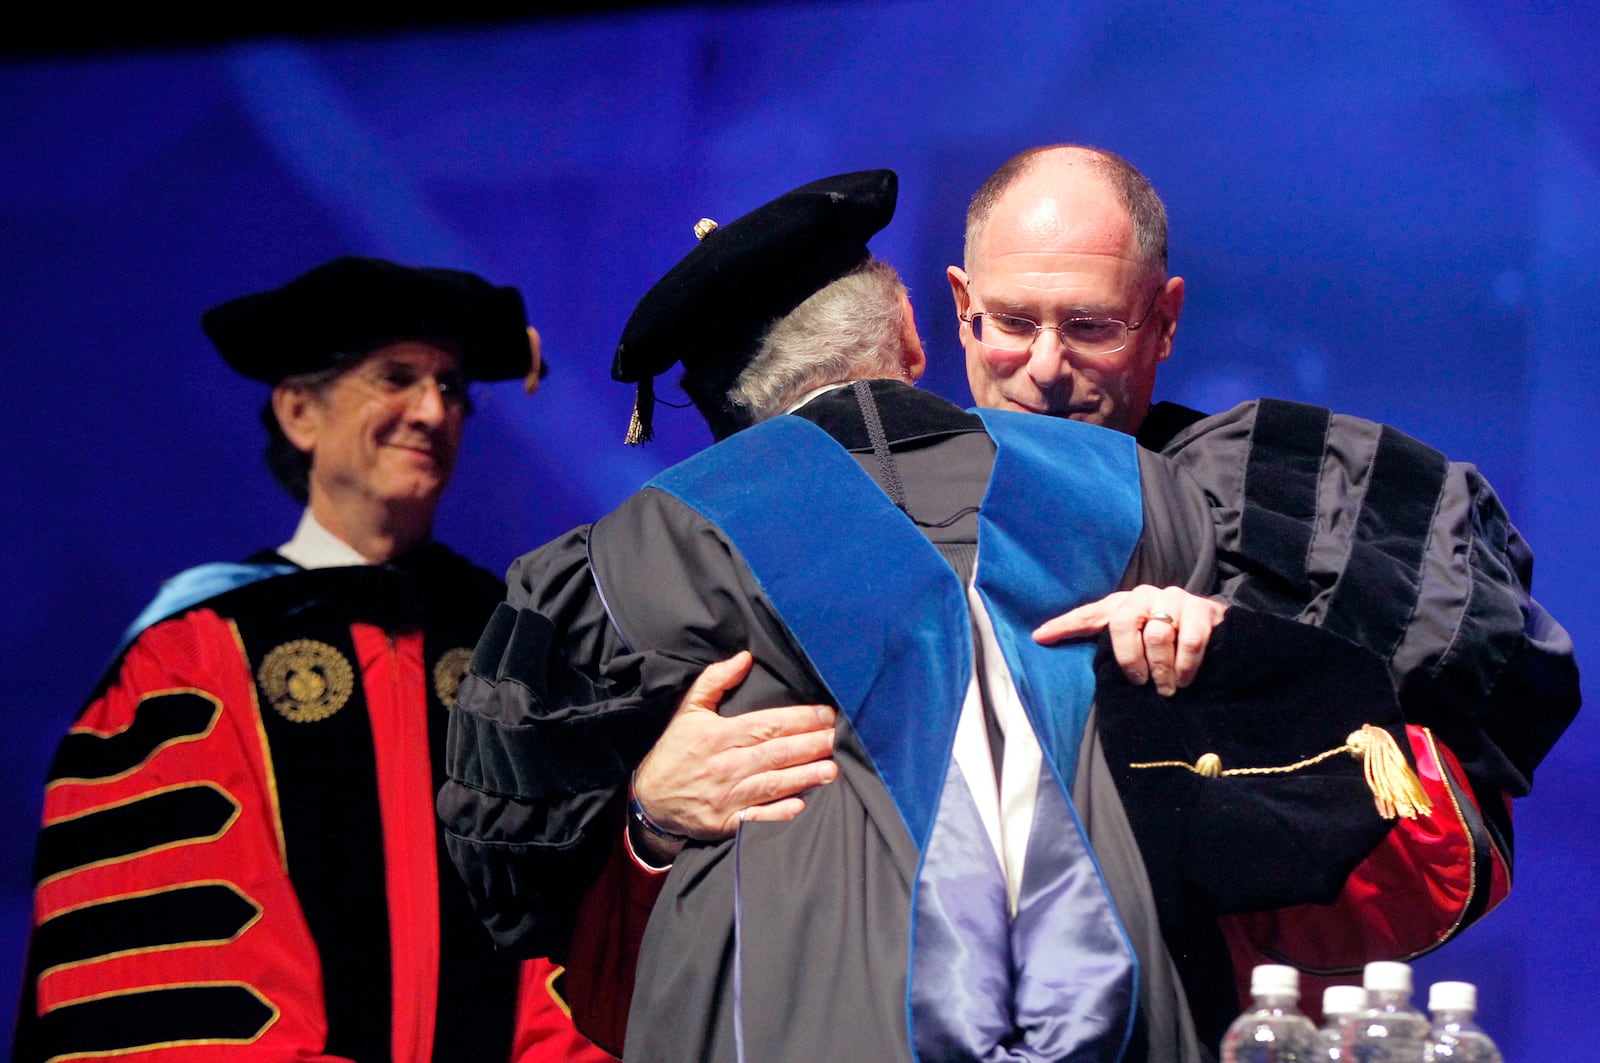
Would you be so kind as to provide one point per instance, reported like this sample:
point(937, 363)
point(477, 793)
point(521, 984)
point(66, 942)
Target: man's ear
point(958, 288)
point(913, 359)
point(1171, 306)
point(297, 409)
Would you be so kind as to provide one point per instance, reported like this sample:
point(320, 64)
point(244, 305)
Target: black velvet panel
point(183, 915)
point(492, 643)
point(185, 814)
point(328, 802)
point(1164, 421)
point(541, 762)
point(212, 1013)
point(1390, 540)
point(527, 648)
point(159, 719)
point(1280, 504)
point(908, 414)
point(475, 1016)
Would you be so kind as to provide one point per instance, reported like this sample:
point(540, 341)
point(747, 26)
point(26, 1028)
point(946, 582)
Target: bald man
point(1065, 304)
point(1065, 308)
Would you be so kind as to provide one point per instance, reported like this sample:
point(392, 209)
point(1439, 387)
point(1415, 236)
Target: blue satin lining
point(1052, 984)
point(962, 968)
point(1079, 978)
point(1074, 518)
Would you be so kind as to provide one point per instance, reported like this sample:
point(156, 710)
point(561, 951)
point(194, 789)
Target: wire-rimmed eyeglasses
point(1085, 335)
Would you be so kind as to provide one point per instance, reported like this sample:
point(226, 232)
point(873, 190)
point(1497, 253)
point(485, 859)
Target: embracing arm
point(545, 730)
point(708, 773)
point(574, 681)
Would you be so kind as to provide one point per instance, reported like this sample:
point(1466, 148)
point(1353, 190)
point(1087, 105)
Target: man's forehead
point(1059, 210)
point(1057, 285)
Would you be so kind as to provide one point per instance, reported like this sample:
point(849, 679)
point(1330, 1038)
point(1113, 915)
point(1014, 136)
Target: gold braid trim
point(1395, 788)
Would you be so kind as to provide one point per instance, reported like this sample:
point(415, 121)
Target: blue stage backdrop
point(1393, 210)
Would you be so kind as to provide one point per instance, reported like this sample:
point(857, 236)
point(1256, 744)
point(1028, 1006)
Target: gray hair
point(290, 465)
point(848, 330)
point(1138, 196)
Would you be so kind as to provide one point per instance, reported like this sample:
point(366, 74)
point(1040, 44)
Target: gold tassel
point(530, 383)
point(644, 404)
point(1395, 787)
point(1396, 791)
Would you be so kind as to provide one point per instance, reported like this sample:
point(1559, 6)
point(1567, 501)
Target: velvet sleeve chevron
point(549, 723)
point(1357, 528)
point(159, 851)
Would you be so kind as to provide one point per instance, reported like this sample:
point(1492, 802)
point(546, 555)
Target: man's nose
point(428, 404)
point(1048, 363)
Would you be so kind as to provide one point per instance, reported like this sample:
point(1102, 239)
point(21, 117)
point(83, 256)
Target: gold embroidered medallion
point(306, 680)
point(449, 673)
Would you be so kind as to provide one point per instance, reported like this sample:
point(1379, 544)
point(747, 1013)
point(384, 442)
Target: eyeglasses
point(401, 378)
point(1083, 335)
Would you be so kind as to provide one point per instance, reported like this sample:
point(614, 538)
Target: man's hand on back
point(707, 772)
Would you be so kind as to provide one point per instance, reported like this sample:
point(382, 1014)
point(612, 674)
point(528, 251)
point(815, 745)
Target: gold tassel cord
point(640, 424)
point(1396, 791)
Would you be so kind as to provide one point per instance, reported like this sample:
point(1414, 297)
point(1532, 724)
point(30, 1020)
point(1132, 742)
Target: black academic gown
point(602, 632)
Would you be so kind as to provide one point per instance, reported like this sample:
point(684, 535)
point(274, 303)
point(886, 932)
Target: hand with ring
point(1158, 634)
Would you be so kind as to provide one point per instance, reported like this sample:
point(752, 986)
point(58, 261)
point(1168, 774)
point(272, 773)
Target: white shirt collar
point(314, 546)
point(808, 396)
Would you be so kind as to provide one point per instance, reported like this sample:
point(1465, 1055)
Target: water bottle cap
point(1452, 996)
point(1343, 1000)
point(1383, 976)
point(1275, 978)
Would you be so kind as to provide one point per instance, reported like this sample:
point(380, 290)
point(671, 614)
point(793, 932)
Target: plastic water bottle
point(1390, 1030)
point(1272, 1029)
point(1456, 1036)
point(1341, 1006)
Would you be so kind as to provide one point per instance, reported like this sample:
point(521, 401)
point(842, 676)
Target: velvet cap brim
point(710, 310)
point(351, 305)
